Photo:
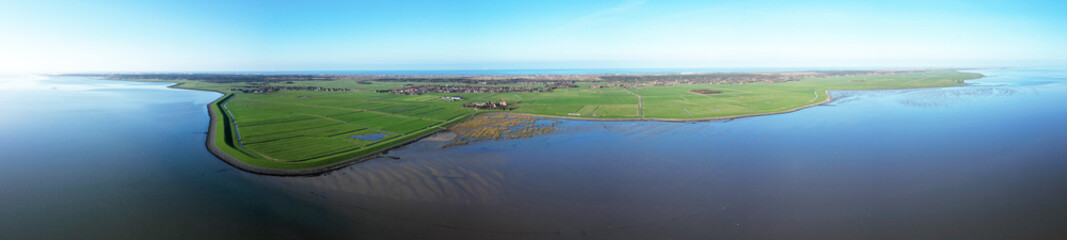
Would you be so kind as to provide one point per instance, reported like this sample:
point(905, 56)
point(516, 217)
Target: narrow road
point(240, 142)
point(640, 103)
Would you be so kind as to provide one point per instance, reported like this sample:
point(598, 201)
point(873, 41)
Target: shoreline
point(243, 166)
point(313, 171)
point(236, 163)
point(829, 98)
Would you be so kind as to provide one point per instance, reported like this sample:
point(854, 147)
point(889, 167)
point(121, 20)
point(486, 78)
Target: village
point(421, 89)
point(632, 85)
point(502, 104)
point(669, 80)
point(646, 80)
point(269, 89)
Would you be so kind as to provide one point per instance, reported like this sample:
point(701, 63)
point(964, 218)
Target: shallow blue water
point(369, 137)
point(94, 159)
point(980, 161)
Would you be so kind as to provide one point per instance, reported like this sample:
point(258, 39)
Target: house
point(452, 98)
point(488, 105)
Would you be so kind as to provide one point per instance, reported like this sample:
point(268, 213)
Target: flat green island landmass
point(298, 132)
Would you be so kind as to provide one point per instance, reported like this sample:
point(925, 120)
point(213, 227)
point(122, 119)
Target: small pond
point(369, 137)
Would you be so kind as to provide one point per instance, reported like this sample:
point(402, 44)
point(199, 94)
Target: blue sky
point(117, 35)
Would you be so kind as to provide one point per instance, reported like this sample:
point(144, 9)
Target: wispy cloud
point(604, 15)
point(617, 9)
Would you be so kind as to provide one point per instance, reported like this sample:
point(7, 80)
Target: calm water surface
point(105, 159)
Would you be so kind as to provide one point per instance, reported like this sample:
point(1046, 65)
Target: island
point(280, 124)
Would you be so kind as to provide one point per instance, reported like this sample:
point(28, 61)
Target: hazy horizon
point(236, 36)
point(530, 71)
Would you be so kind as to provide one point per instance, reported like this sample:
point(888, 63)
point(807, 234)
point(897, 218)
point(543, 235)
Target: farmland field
point(300, 129)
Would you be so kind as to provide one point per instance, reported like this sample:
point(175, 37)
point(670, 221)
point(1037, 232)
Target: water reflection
point(951, 96)
point(430, 179)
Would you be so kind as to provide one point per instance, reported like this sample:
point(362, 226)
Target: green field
point(309, 129)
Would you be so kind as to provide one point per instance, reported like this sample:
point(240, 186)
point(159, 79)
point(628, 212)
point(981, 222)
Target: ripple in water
point(950, 96)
